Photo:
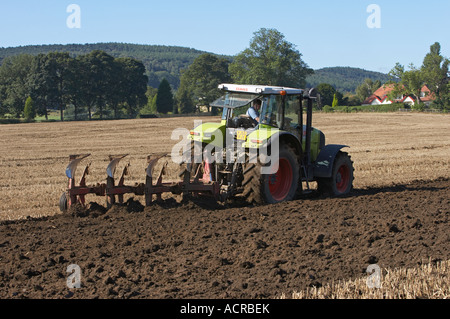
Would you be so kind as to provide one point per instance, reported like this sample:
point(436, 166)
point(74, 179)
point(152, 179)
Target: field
point(397, 216)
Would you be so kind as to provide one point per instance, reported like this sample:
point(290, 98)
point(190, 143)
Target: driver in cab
point(253, 111)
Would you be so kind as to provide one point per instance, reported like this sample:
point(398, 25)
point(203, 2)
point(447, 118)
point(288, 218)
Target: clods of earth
point(198, 249)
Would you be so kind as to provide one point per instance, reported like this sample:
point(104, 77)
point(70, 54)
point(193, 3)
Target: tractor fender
point(288, 138)
point(323, 167)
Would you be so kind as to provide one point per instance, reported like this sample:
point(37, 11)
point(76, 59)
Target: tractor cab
point(280, 108)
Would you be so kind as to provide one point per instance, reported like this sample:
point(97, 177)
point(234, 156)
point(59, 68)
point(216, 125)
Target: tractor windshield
point(234, 100)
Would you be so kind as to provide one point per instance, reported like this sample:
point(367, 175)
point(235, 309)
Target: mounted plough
point(114, 192)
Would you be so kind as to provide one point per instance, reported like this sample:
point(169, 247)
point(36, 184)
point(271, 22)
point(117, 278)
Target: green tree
point(148, 107)
point(75, 86)
point(270, 60)
point(335, 101)
point(130, 85)
point(14, 73)
point(446, 98)
point(59, 73)
point(2, 98)
point(164, 99)
point(185, 104)
point(100, 79)
point(435, 69)
point(41, 86)
point(367, 88)
point(411, 82)
point(29, 110)
point(201, 80)
point(327, 93)
point(153, 107)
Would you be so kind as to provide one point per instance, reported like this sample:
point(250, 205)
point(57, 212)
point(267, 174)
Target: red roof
point(384, 90)
point(382, 93)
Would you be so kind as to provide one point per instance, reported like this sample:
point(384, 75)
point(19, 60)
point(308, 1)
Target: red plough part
point(77, 193)
point(187, 186)
point(119, 190)
point(114, 193)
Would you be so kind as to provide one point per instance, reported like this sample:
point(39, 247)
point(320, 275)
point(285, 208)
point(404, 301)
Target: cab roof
point(259, 89)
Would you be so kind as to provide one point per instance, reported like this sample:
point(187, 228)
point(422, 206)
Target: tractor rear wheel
point(341, 181)
point(272, 188)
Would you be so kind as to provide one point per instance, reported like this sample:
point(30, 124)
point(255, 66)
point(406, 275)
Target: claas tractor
point(272, 160)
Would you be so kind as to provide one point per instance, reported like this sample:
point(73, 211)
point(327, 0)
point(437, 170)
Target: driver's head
point(257, 104)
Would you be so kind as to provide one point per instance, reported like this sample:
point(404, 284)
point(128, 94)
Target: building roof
point(384, 90)
point(382, 94)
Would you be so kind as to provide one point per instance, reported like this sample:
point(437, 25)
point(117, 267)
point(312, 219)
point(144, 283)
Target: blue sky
point(326, 32)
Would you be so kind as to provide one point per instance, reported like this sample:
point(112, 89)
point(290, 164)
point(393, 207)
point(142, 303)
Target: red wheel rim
point(343, 179)
point(280, 183)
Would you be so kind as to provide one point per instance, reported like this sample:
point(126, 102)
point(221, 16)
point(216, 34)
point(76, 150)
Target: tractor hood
point(259, 137)
point(206, 132)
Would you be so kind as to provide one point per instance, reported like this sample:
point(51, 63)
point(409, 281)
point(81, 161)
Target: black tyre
point(341, 181)
point(272, 188)
point(63, 203)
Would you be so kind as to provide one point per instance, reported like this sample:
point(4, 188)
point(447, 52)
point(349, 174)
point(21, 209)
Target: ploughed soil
point(197, 249)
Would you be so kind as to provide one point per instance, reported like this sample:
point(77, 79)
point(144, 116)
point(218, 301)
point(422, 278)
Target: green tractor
point(264, 161)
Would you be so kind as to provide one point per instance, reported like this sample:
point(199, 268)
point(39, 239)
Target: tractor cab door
point(282, 112)
point(291, 115)
point(272, 111)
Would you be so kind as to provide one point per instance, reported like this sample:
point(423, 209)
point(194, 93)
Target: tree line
point(99, 84)
point(160, 61)
point(344, 79)
point(102, 86)
point(95, 81)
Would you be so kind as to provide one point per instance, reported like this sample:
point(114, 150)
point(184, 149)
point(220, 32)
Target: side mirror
point(312, 93)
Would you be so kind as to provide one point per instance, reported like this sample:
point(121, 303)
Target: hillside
point(160, 61)
point(344, 79)
point(168, 61)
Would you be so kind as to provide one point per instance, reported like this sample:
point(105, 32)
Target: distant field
point(386, 148)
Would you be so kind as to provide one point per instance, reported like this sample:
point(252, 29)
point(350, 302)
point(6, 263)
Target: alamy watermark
point(374, 279)
point(74, 280)
point(234, 150)
point(374, 19)
point(74, 19)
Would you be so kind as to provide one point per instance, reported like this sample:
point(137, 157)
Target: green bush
point(10, 121)
point(29, 110)
point(368, 108)
point(327, 109)
point(419, 107)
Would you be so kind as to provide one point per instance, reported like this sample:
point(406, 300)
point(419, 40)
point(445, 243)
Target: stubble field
point(397, 215)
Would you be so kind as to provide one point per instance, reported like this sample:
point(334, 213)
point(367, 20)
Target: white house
point(380, 97)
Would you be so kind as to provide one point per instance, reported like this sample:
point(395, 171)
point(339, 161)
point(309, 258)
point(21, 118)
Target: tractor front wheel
point(341, 181)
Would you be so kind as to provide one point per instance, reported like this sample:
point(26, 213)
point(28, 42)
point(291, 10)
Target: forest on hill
point(344, 79)
point(160, 61)
point(168, 61)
